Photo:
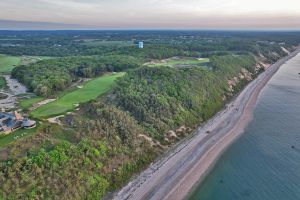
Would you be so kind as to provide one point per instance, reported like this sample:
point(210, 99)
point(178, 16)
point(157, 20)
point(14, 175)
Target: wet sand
point(175, 175)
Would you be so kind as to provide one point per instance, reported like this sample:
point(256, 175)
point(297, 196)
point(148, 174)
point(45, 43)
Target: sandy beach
point(175, 175)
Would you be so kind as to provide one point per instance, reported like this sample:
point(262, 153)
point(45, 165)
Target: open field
point(7, 63)
point(67, 102)
point(180, 62)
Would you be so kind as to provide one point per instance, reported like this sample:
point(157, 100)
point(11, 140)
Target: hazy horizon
point(150, 14)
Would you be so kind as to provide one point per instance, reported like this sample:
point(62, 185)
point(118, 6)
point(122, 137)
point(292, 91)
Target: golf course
point(180, 62)
point(70, 100)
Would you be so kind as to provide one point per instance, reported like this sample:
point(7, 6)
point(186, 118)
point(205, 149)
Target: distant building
point(141, 45)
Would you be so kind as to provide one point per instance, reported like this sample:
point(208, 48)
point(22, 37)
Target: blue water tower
point(141, 45)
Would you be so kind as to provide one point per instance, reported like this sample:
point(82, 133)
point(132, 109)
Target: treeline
point(155, 51)
point(81, 43)
point(47, 77)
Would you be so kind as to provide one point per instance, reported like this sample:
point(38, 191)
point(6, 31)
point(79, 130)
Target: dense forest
point(53, 75)
point(50, 76)
point(101, 145)
point(75, 43)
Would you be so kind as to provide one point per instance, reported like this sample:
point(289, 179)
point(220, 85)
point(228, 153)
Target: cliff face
point(244, 75)
point(262, 63)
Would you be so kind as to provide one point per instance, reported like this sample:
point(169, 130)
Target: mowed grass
point(67, 102)
point(27, 103)
point(7, 63)
point(182, 62)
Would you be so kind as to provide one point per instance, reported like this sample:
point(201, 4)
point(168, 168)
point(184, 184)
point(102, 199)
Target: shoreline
point(177, 174)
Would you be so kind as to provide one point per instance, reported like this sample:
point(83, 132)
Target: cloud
point(27, 25)
point(155, 13)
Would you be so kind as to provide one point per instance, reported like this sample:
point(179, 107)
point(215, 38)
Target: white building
point(141, 45)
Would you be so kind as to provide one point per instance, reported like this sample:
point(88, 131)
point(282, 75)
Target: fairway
point(7, 63)
point(91, 90)
point(181, 62)
point(27, 103)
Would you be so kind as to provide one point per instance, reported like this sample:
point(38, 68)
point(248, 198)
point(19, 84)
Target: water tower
point(141, 45)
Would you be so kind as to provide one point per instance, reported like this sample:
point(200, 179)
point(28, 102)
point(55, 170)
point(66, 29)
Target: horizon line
point(164, 29)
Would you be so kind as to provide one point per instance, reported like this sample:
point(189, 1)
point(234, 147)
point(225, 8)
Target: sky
point(150, 14)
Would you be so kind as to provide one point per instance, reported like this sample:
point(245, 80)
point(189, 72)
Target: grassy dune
point(91, 90)
point(7, 63)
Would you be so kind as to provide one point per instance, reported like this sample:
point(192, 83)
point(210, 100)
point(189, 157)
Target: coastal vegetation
point(164, 98)
point(128, 113)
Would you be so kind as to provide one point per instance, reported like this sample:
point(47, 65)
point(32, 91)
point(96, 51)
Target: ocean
point(264, 163)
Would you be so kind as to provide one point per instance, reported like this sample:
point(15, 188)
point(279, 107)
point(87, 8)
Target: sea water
point(264, 163)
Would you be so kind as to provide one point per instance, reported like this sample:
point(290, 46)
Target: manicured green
point(7, 63)
point(27, 103)
point(91, 90)
point(182, 62)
